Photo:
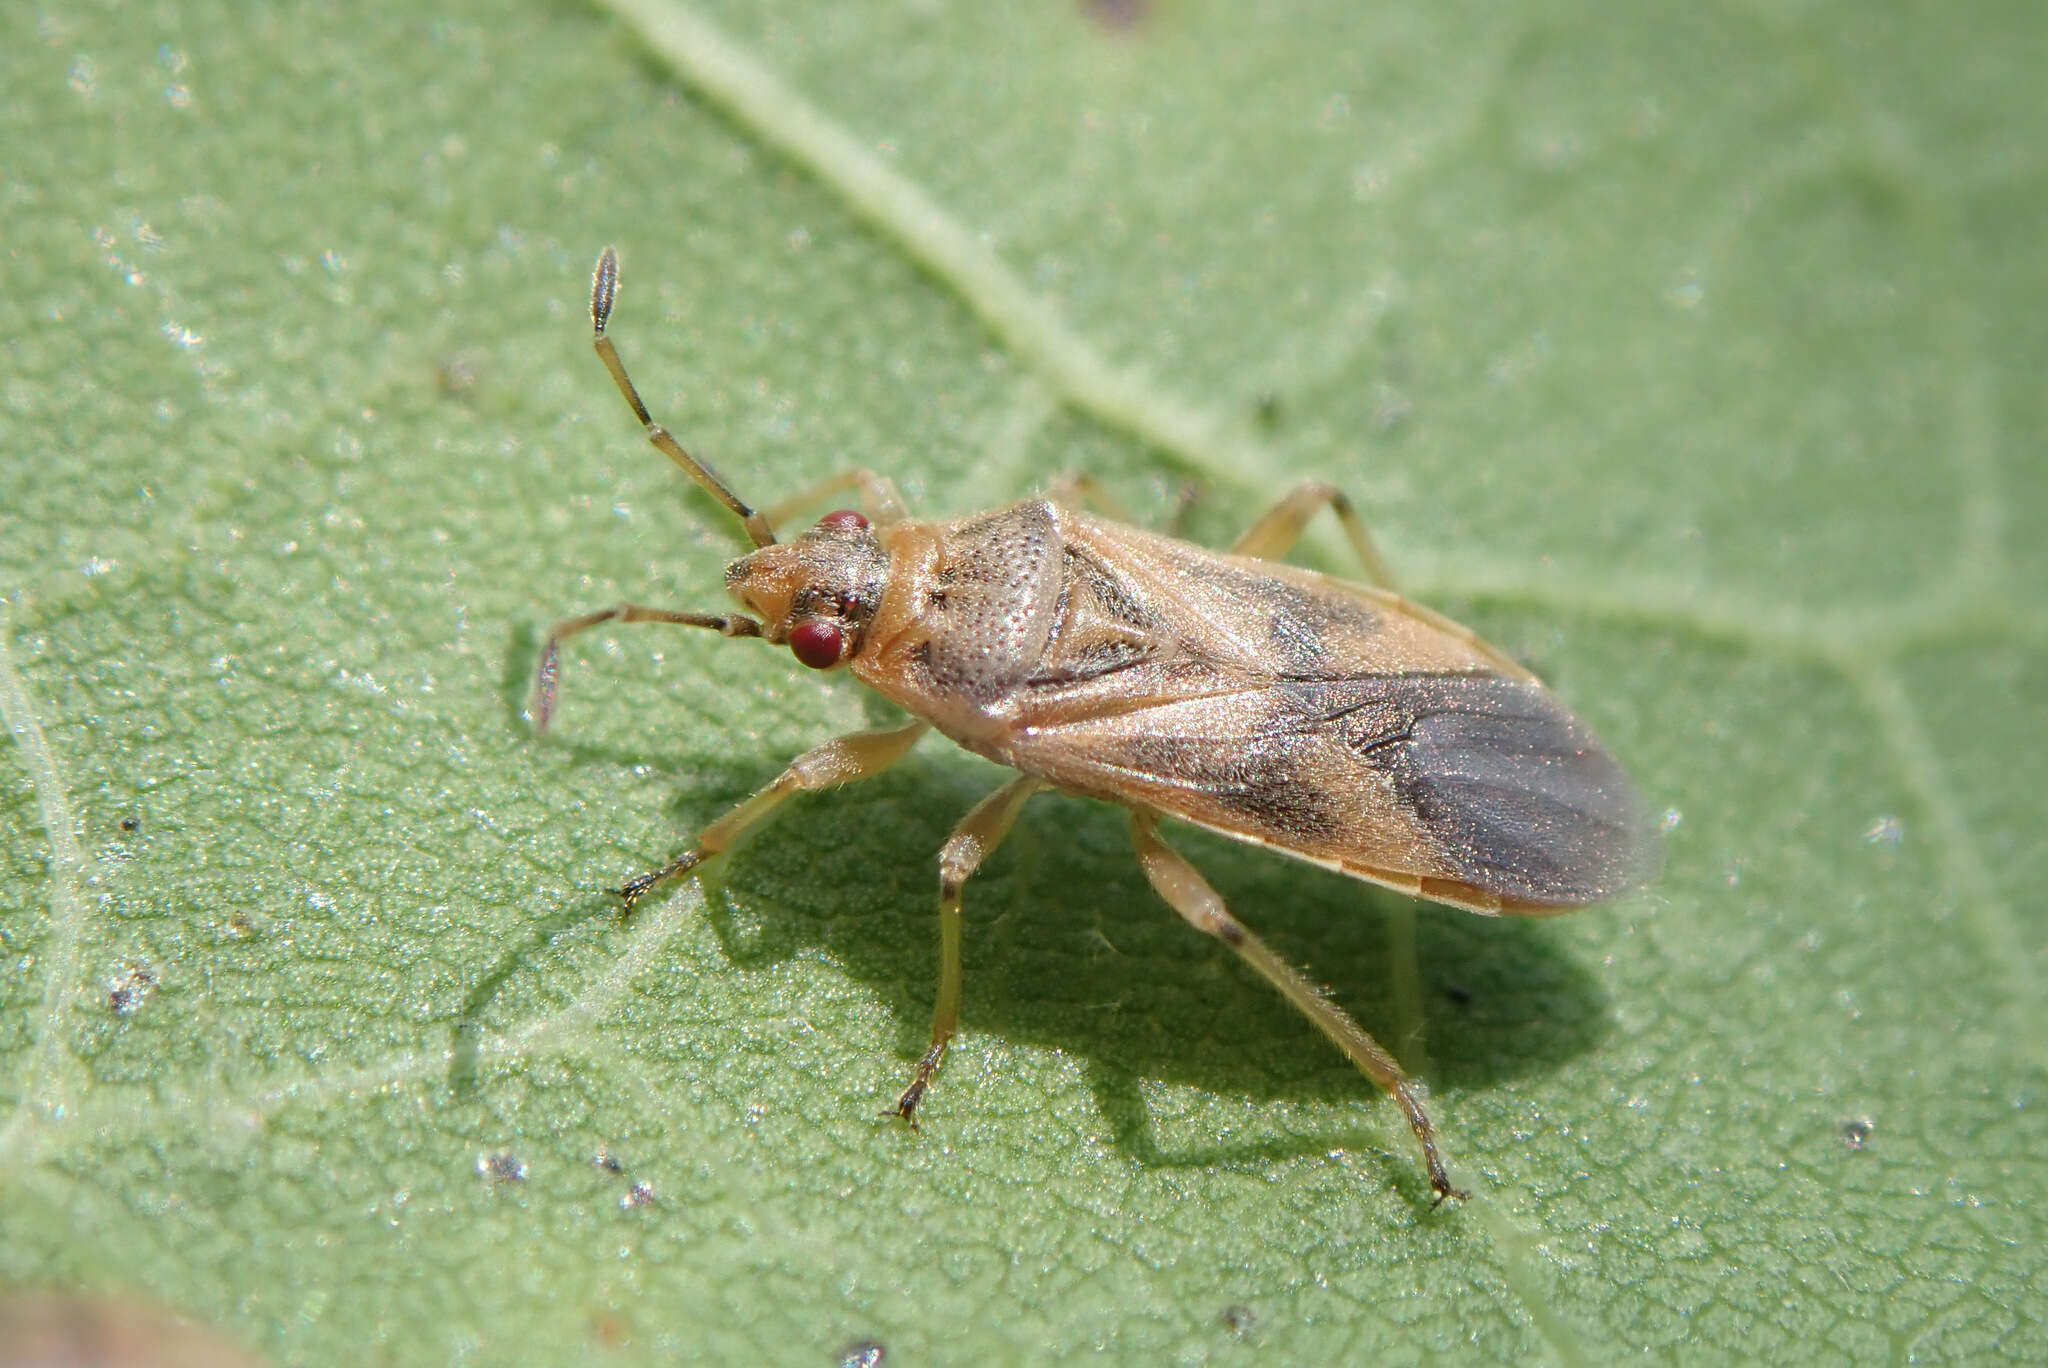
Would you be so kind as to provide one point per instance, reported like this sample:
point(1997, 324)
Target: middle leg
point(979, 833)
point(1280, 528)
point(1079, 490)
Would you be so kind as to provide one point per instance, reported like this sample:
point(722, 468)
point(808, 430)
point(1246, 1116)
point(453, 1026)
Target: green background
point(1693, 357)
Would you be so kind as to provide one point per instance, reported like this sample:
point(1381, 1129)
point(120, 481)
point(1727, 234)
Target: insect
point(1335, 723)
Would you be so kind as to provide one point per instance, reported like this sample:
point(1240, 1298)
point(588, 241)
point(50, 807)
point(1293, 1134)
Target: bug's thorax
point(971, 609)
point(818, 593)
point(896, 635)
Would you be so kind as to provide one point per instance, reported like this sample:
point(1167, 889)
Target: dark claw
point(636, 888)
point(906, 1105)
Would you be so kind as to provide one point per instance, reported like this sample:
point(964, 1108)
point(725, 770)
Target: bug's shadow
point(1067, 947)
point(708, 791)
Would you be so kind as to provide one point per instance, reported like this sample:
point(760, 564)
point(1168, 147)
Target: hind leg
point(1189, 894)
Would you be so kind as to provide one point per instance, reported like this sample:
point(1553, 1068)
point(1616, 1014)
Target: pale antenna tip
point(604, 287)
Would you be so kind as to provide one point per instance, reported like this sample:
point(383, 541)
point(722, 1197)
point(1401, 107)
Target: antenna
point(604, 292)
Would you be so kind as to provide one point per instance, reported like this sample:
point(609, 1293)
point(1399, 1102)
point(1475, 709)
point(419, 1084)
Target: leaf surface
point(1694, 359)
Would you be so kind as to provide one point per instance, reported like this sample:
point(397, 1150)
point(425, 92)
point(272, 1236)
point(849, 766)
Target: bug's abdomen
point(1470, 787)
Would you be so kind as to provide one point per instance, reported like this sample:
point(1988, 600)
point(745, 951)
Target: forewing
point(1343, 728)
point(1267, 619)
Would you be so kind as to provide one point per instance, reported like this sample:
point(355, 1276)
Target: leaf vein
point(41, 1087)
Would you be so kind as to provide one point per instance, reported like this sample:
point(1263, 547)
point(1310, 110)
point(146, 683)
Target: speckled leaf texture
point(1692, 354)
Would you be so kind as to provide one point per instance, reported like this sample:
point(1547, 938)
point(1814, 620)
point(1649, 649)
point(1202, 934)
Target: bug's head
point(815, 594)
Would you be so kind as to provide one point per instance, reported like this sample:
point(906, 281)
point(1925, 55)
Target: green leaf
point(1692, 356)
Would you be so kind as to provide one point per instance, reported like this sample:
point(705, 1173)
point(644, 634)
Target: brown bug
point(1336, 723)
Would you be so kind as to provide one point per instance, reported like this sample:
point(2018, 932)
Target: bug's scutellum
point(1335, 723)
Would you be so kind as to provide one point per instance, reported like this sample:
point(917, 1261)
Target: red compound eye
point(816, 642)
point(843, 520)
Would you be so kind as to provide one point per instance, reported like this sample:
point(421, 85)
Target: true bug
point(1336, 723)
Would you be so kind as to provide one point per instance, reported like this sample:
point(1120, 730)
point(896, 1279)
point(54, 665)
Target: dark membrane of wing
point(1522, 796)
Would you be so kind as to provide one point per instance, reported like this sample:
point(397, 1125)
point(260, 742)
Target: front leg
point(879, 497)
point(841, 761)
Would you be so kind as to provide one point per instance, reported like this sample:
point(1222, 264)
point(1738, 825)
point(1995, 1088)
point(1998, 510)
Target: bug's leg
point(1181, 885)
point(979, 833)
point(541, 707)
point(883, 503)
point(1271, 536)
point(840, 761)
point(1183, 506)
point(1079, 490)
